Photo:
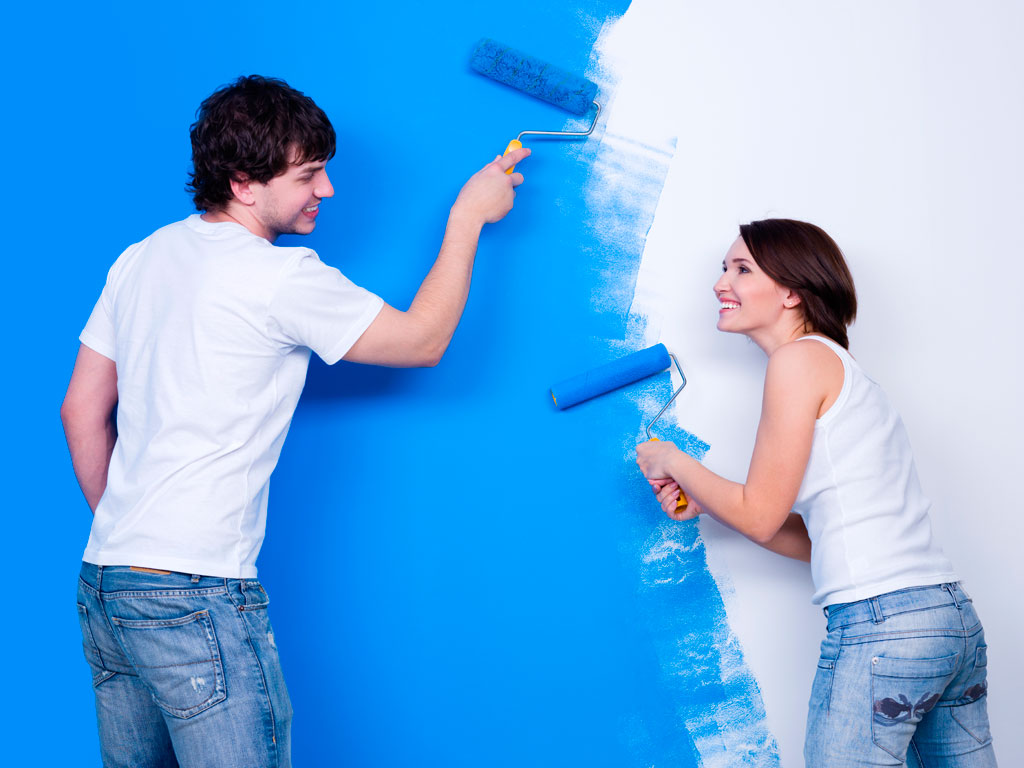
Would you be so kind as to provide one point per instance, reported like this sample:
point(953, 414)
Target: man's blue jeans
point(902, 680)
point(185, 670)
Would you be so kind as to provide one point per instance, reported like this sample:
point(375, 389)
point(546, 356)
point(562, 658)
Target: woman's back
point(861, 500)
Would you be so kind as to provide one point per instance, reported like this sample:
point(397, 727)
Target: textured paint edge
point(705, 675)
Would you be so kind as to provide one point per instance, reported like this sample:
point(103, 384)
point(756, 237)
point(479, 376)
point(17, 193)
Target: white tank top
point(861, 499)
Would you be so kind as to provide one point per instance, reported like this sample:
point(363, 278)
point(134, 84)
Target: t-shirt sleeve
point(316, 306)
point(98, 334)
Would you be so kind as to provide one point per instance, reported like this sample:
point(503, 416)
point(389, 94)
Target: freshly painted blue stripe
point(709, 709)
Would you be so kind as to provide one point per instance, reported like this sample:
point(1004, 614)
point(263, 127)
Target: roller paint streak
point(715, 713)
point(716, 695)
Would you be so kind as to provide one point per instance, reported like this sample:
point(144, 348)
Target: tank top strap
point(835, 346)
point(850, 371)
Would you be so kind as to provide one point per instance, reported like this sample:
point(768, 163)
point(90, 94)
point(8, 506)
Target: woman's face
point(749, 300)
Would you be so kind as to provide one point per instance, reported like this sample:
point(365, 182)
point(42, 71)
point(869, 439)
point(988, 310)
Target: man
point(190, 368)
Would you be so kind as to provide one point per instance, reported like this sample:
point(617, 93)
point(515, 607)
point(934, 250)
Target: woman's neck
point(787, 330)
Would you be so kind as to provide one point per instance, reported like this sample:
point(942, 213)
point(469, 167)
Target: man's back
point(211, 328)
point(200, 343)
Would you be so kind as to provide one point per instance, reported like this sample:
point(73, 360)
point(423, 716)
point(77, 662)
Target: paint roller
point(539, 79)
point(619, 373)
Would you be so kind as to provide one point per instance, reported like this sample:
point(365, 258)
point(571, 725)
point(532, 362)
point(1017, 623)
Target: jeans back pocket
point(903, 691)
point(970, 711)
point(178, 660)
point(91, 650)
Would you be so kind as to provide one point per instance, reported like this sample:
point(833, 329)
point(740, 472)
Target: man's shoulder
point(173, 230)
point(193, 242)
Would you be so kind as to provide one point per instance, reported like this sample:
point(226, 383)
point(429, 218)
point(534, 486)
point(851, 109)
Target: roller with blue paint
point(620, 373)
point(539, 79)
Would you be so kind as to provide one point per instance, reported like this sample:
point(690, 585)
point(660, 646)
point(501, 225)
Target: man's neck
point(229, 214)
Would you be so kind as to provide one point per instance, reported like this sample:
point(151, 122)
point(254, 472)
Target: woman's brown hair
point(803, 258)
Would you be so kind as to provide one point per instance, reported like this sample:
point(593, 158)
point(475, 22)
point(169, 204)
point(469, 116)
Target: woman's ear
point(790, 300)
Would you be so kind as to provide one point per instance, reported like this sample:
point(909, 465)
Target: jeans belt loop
point(876, 611)
point(951, 588)
point(195, 578)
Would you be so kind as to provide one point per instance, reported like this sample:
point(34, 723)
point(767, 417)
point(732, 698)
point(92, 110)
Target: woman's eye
point(744, 269)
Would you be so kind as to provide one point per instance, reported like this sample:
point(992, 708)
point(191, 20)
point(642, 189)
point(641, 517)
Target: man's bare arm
point(88, 417)
point(420, 336)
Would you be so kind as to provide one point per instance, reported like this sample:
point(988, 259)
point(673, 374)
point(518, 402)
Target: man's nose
point(324, 188)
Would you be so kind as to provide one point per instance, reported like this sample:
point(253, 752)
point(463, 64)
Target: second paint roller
point(539, 79)
point(619, 373)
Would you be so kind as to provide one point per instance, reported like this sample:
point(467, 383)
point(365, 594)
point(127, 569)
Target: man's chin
point(300, 228)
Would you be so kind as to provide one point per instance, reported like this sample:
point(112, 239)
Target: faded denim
point(185, 670)
point(902, 681)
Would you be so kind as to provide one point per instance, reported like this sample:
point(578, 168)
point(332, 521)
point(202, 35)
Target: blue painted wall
point(453, 565)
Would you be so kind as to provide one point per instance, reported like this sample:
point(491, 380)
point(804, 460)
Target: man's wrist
point(462, 219)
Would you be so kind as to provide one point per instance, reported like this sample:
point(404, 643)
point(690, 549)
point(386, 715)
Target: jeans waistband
point(113, 578)
point(878, 608)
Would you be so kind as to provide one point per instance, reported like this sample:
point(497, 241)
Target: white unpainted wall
point(897, 126)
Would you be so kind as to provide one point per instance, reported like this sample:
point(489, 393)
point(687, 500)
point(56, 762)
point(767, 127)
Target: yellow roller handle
point(512, 147)
point(682, 502)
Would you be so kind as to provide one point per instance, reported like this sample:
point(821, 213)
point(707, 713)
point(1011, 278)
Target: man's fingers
point(517, 179)
point(512, 158)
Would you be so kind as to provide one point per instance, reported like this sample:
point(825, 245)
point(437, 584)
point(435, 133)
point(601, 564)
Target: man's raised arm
point(419, 336)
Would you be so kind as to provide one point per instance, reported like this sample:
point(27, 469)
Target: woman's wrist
point(680, 467)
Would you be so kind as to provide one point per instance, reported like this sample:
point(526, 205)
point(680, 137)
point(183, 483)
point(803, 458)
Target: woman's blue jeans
point(901, 681)
point(185, 670)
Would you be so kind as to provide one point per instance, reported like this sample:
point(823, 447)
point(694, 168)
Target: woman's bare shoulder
point(808, 367)
point(800, 354)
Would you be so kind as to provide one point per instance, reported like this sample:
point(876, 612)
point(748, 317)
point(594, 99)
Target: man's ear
point(241, 189)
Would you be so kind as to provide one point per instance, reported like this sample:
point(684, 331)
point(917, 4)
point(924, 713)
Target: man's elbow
point(430, 351)
point(67, 413)
point(418, 355)
point(431, 357)
point(424, 344)
point(78, 414)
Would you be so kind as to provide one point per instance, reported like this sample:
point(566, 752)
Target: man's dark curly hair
point(249, 129)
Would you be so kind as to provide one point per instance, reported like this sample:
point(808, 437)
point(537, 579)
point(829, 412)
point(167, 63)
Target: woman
point(901, 676)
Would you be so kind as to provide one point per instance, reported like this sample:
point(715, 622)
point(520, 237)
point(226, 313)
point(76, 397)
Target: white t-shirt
point(210, 327)
point(861, 500)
